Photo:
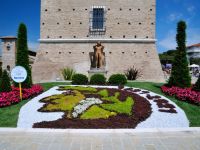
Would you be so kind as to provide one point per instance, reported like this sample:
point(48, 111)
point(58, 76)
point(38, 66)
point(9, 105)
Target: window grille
point(97, 20)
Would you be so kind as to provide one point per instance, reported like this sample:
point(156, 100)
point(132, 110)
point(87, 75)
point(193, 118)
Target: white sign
point(19, 74)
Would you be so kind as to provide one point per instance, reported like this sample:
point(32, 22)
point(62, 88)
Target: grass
point(95, 112)
point(78, 88)
point(192, 111)
point(48, 85)
point(9, 115)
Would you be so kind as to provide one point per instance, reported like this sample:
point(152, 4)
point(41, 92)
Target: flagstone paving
point(159, 140)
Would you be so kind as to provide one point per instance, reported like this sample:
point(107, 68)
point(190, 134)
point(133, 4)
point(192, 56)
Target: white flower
point(84, 105)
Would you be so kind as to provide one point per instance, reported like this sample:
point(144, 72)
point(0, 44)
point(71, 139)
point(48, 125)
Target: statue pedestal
point(97, 71)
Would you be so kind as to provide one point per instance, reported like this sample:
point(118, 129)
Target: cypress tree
point(197, 85)
point(5, 85)
point(180, 72)
point(22, 58)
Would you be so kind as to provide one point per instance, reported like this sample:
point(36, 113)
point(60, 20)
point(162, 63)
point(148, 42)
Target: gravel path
point(29, 115)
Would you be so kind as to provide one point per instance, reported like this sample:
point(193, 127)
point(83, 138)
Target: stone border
point(146, 130)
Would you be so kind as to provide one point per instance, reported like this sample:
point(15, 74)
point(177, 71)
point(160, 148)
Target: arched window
point(8, 47)
point(8, 67)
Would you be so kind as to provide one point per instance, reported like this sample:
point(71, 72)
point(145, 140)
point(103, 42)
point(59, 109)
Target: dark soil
point(162, 103)
point(141, 111)
point(152, 97)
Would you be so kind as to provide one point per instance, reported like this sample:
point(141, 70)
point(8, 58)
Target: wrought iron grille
point(97, 21)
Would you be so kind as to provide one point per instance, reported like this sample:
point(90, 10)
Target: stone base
point(93, 71)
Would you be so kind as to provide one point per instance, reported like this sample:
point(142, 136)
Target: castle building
point(70, 29)
point(9, 49)
point(193, 51)
point(8, 52)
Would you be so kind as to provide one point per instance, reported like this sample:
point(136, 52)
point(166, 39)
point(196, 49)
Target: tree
point(195, 61)
point(5, 85)
point(197, 85)
point(1, 72)
point(22, 58)
point(167, 57)
point(180, 72)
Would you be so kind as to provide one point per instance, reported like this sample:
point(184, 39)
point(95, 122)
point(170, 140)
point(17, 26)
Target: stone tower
point(70, 29)
point(8, 52)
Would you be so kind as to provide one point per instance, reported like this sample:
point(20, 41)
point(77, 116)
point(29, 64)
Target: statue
point(98, 55)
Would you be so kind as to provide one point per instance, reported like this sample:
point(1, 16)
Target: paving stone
point(75, 144)
point(117, 144)
point(110, 141)
point(150, 147)
point(97, 143)
point(107, 144)
point(86, 144)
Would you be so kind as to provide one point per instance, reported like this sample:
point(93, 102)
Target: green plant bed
point(62, 102)
point(192, 111)
point(79, 88)
point(67, 101)
point(120, 107)
point(96, 112)
point(46, 86)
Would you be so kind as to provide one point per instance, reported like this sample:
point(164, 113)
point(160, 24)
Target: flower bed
point(9, 98)
point(90, 107)
point(186, 94)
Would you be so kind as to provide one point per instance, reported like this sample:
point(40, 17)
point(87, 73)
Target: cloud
point(191, 9)
point(169, 41)
point(193, 36)
point(192, 12)
point(33, 46)
point(175, 16)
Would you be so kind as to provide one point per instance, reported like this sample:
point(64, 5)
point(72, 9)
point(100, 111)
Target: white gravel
point(29, 112)
point(162, 119)
point(29, 115)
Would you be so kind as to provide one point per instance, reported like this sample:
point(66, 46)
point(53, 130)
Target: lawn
point(9, 115)
point(192, 111)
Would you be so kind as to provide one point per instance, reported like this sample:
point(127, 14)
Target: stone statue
point(98, 55)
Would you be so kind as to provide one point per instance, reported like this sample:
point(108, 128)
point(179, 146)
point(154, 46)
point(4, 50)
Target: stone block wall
point(66, 40)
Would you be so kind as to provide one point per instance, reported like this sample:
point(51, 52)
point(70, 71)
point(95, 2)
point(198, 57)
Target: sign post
point(19, 75)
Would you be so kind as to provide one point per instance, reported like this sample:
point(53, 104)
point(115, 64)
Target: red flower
point(8, 98)
point(186, 94)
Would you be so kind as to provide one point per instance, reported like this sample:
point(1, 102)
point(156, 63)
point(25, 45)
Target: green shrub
point(68, 73)
point(1, 72)
point(180, 76)
point(5, 85)
point(117, 79)
point(79, 79)
point(197, 85)
point(98, 79)
point(133, 73)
